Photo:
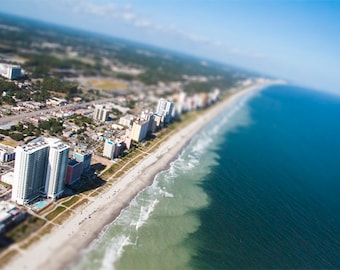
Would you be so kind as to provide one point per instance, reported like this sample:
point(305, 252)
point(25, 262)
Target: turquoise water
point(259, 187)
point(39, 205)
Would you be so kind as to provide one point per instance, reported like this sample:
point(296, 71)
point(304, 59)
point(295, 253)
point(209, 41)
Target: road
point(14, 118)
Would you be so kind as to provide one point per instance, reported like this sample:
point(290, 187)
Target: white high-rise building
point(57, 167)
point(10, 71)
point(40, 169)
point(30, 171)
point(109, 149)
point(164, 108)
point(100, 113)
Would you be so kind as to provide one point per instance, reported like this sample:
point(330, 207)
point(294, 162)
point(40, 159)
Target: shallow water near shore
point(245, 193)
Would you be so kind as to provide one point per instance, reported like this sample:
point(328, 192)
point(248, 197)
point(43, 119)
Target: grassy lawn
point(62, 217)
point(71, 201)
point(83, 201)
point(94, 194)
point(55, 213)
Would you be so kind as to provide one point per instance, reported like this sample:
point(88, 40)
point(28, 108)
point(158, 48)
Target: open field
point(10, 142)
point(106, 84)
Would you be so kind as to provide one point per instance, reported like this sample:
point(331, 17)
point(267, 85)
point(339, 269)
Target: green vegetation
point(81, 120)
point(71, 201)
point(56, 85)
point(41, 96)
point(27, 129)
point(54, 126)
point(12, 90)
point(72, 53)
point(41, 64)
point(9, 86)
point(55, 213)
point(7, 100)
point(5, 184)
point(78, 204)
point(62, 217)
point(16, 136)
point(26, 228)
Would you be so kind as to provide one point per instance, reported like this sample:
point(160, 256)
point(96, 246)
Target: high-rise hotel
point(164, 109)
point(100, 113)
point(40, 169)
point(56, 168)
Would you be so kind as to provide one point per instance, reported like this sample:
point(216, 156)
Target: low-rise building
point(8, 178)
point(10, 215)
point(7, 153)
point(54, 101)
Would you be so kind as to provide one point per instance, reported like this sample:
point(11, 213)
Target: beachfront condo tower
point(164, 108)
point(139, 130)
point(57, 167)
point(30, 171)
point(81, 154)
point(39, 170)
point(109, 149)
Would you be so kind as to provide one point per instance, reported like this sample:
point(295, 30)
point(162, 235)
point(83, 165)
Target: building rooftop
point(82, 150)
point(7, 209)
point(43, 142)
point(6, 148)
point(33, 145)
point(72, 162)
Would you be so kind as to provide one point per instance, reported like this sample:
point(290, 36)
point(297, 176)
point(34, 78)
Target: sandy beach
point(67, 243)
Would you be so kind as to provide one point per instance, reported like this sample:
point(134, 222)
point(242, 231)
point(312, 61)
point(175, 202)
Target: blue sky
point(297, 40)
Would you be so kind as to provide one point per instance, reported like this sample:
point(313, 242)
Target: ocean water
point(258, 187)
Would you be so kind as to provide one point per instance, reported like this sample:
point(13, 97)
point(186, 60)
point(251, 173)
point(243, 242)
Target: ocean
point(258, 187)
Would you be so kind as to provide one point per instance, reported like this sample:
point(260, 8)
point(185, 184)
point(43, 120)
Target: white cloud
point(141, 22)
point(128, 15)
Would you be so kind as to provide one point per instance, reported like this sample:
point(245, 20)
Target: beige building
point(139, 130)
point(126, 120)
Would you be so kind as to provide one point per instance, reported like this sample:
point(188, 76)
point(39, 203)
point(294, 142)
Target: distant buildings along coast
point(9, 71)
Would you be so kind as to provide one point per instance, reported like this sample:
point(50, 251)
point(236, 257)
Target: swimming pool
point(39, 205)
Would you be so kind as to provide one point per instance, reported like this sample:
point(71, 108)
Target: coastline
point(66, 244)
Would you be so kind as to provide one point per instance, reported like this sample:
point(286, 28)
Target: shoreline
point(66, 244)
